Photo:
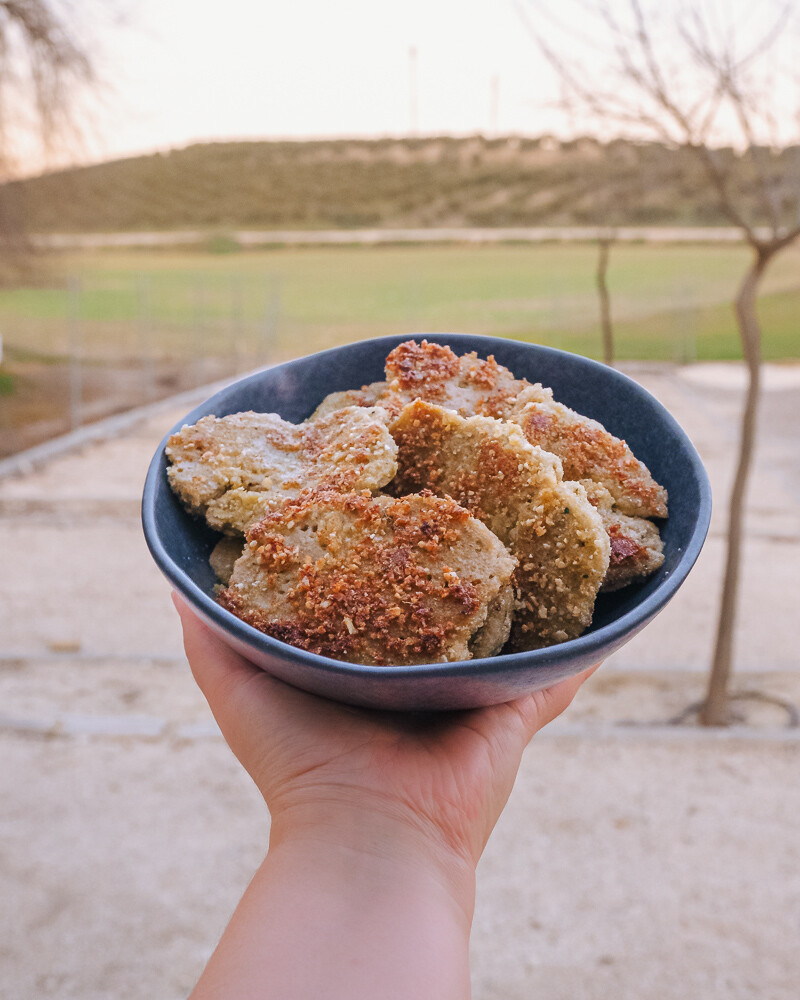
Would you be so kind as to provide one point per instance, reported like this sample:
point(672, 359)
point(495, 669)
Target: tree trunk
point(716, 708)
point(603, 252)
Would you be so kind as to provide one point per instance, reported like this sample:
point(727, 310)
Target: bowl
point(180, 544)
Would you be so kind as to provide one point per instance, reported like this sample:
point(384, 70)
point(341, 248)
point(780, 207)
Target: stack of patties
point(452, 511)
point(315, 556)
point(618, 484)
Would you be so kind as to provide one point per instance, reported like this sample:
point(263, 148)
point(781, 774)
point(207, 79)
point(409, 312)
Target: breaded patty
point(224, 555)
point(489, 640)
point(472, 386)
point(636, 547)
point(516, 489)
point(370, 579)
point(232, 467)
point(367, 395)
point(588, 451)
point(421, 370)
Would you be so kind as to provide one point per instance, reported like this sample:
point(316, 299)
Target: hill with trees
point(411, 182)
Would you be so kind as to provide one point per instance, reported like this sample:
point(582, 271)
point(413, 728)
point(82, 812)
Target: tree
point(604, 241)
point(44, 68)
point(699, 75)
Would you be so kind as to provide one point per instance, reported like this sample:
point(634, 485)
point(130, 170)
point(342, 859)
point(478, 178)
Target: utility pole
point(494, 107)
point(412, 91)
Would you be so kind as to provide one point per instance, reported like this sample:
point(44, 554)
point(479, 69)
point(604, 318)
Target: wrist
point(376, 846)
point(348, 904)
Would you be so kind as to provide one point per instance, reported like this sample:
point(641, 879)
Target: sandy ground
point(634, 859)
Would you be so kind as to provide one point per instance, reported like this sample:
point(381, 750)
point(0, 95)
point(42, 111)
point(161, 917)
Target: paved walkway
point(460, 234)
point(635, 859)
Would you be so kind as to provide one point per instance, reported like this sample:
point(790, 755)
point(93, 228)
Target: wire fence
point(86, 349)
point(94, 345)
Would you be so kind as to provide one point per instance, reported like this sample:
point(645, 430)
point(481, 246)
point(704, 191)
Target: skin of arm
point(377, 824)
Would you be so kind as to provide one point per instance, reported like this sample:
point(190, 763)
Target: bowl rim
point(627, 624)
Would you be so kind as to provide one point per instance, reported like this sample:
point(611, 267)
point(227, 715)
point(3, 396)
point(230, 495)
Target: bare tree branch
point(728, 80)
point(42, 65)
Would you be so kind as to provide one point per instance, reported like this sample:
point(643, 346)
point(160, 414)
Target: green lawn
point(669, 302)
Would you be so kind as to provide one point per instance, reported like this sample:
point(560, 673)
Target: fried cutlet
point(489, 640)
point(367, 395)
point(224, 555)
point(516, 490)
point(231, 468)
point(433, 372)
point(371, 579)
point(636, 547)
point(588, 451)
point(471, 386)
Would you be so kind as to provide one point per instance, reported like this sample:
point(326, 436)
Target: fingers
point(249, 704)
point(536, 710)
point(244, 699)
point(254, 711)
point(552, 701)
point(216, 667)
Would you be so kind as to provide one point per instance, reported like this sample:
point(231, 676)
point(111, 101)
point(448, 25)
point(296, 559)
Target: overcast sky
point(185, 71)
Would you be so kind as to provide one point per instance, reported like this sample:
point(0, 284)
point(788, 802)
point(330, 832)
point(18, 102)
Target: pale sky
point(185, 71)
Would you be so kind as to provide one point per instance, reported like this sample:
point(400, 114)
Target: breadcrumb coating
point(509, 512)
point(636, 547)
point(517, 491)
point(433, 372)
point(588, 451)
point(370, 579)
point(233, 467)
point(367, 395)
point(471, 386)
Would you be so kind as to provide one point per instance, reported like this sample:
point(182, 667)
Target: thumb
point(538, 709)
point(255, 711)
point(218, 670)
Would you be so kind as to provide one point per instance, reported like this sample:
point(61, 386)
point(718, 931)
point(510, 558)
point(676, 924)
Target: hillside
point(469, 181)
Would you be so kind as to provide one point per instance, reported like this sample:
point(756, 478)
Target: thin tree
point(604, 241)
point(690, 75)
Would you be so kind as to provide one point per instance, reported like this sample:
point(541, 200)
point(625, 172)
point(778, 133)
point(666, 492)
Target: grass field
point(108, 331)
point(669, 302)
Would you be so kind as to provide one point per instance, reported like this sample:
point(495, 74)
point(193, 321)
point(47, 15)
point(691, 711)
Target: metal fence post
point(75, 340)
point(237, 323)
point(145, 325)
point(687, 326)
point(269, 327)
point(199, 339)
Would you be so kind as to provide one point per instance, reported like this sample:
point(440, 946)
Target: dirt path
point(635, 859)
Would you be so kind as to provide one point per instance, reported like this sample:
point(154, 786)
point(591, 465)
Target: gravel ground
point(623, 867)
point(634, 859)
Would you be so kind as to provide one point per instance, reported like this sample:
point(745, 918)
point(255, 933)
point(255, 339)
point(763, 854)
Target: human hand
point(444, 776)
point(378, 821)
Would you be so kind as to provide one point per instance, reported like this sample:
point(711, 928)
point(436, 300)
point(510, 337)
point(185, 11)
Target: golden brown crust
point(422, 370)
point(224, 555)
point(433, 372)
point(369, 579)
point(517, 491)
point(469, 385)
point(367, 395)
point(332, 569)
point(636, 547)
point(233, 467)
point(588, 451)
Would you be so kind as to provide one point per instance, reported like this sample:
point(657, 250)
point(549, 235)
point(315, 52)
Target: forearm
point(378, 918)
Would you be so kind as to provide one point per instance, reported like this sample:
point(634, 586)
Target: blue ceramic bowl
point(181, 544)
